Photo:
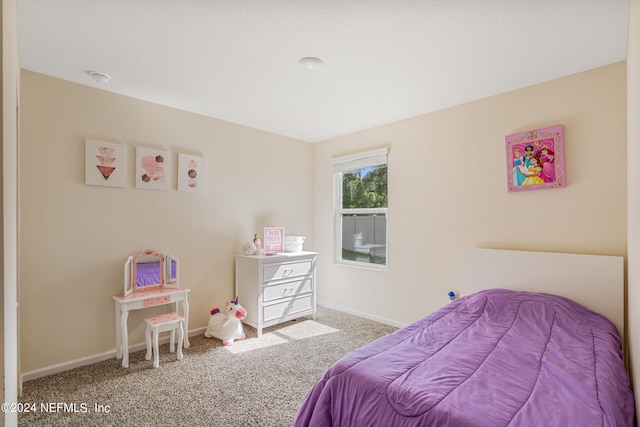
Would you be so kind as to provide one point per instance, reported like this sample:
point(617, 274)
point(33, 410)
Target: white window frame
point(348, 164)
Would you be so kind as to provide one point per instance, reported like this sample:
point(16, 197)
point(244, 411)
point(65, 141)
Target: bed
point(518, 349)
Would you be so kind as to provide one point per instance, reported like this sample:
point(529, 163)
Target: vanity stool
point(162, 323)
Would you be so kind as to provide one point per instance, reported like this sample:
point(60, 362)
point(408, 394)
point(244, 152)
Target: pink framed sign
point(273, 240)
point(535, 159)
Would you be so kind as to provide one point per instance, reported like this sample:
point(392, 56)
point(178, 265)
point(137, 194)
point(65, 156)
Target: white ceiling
point(384, 60)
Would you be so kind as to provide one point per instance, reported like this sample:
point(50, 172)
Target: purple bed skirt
point(494, 358)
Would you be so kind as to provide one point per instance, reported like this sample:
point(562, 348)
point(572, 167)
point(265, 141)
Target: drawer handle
point(287, 291)
point(287, 273)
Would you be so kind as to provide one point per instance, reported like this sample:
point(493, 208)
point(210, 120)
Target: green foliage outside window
point(365, 188)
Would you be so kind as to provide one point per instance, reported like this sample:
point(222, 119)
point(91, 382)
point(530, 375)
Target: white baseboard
point(363, 314)
point(66, 366)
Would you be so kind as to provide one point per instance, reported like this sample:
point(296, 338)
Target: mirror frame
point(169, 280)
point(166, 279)
point(128, 276)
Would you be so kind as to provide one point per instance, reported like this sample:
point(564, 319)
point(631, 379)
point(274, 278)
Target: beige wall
point(75, 238)
point(633, 194)
point(447, 190)
point(447, 183)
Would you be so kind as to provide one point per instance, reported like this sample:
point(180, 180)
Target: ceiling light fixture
point(310, 63)
point(99, 77)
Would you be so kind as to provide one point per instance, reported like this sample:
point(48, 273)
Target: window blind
point(360, 160)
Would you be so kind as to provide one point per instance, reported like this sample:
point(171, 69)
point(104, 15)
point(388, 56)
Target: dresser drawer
point(287, 289)
point(288, 308)
point(286, 270)
point(276, 288)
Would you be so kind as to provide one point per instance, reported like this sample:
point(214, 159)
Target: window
point(361, 209)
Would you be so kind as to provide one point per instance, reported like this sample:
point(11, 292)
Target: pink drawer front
point(157, 301)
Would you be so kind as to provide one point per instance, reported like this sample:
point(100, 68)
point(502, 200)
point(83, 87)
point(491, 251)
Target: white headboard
point(595, 281)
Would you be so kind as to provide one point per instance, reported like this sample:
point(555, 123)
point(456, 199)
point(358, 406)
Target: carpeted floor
point(255, 382)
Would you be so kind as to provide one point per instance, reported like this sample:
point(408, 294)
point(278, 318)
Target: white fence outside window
point(366, 234)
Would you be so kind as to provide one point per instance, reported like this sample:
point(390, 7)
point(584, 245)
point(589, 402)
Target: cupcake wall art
point(153, 169)
point(192, 173)
point(105, 163)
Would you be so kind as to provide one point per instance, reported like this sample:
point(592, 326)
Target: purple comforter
point(494, 358)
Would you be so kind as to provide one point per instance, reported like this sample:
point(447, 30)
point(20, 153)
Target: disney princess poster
point(535, 159)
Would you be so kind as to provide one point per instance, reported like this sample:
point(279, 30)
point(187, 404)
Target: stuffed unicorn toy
point(227, 327)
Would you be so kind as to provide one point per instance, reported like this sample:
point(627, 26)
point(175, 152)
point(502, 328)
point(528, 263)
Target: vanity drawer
point(288, 308)
point(287, 289)
point(286, 270)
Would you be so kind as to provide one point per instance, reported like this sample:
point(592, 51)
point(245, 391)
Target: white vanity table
point(150, 280)
point(276, 288)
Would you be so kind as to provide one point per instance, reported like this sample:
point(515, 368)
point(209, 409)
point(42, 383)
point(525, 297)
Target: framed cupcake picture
point(105, 163)
point(153, 169)
point(192, 173)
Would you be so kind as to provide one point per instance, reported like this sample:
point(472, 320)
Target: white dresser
point(276, 288)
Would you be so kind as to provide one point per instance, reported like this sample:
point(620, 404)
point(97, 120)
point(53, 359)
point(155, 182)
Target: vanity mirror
point(171, 273)
point(150, 269)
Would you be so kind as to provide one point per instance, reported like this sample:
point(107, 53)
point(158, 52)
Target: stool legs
point(180, 338)
point(156, 356)
point(147, 337)
point(151, 337)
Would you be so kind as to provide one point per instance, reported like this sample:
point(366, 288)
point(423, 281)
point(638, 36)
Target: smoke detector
point(99, 77)
point(310, 63)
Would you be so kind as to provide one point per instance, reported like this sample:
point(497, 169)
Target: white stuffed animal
point(227, 327)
